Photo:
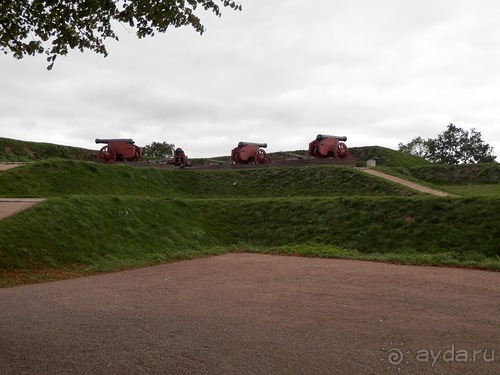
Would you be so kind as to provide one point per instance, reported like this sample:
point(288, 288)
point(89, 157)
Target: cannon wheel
point(342, 151)
point(107, 154)
point(260, 157)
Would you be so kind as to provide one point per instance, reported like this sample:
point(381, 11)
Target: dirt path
point(412, 185)
point(6, 166)
point(10, 206)
point(256, 314)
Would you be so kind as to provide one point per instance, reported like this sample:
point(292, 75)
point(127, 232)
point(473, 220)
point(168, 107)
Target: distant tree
point(30, 27)
point(158, 150)
point(417, 146)
point(453, 146)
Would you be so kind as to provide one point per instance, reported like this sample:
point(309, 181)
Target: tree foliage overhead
point(158, 150)
point(52, 27)
point(453, 146)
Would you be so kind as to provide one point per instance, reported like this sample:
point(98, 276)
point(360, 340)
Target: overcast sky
point(282, 71)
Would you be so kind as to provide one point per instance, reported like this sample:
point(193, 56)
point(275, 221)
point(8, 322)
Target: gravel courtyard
point(245, 313)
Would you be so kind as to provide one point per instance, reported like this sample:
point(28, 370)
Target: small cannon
point(118, 150)
point(248, 152)
point(180, 158)
point(326, 146)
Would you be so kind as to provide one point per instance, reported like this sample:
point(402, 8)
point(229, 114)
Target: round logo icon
point(395, 356)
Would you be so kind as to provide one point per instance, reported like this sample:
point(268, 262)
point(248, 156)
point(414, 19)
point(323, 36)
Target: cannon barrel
point(110, 140)
point(242, 144)
point(319, 137)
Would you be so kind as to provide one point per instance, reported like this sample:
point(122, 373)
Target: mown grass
point(462, 174)
point(17, 150)
point(492, 191)
point(101, 218)
point(84, 234)
point(448, 259)
point(387, 157)
point(469, 180)
point(51, 178)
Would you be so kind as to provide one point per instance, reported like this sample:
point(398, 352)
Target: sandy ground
point(256, 314)
point(10, 206)
point(5, 166)
point(412, 185)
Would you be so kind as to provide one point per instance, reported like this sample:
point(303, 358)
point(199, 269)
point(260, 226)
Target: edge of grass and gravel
point(80, 235)
point(104, 218)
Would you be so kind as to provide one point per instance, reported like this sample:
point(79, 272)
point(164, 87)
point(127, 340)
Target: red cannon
point(248, 152)
point(118, 150)
point(327, 146)
point(180, 158)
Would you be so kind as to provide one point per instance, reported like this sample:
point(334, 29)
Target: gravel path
point(6, 166)
point(256, 314)
point(412, 185)
point(10, 206)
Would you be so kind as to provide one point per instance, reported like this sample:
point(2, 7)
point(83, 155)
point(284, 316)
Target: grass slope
point(100, 218)
point(62, 177)
point(387, 157)
point(101, 233)
point(462, 174)
point(16, 150)
point(461, 180)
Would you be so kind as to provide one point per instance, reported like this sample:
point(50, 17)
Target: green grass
point(387, 157)
point(462, 180)
point(16, 150)
point(462, 174)
point(492, 191)
point(101, 218)
point(51, 178)
point(103, 233)
point(448, 259)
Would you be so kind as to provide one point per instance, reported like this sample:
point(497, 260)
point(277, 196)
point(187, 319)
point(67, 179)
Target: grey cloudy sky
point(379, 72)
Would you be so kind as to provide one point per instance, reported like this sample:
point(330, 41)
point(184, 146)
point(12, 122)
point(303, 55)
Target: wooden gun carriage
point(118, 150)
point(180, 158)
point(329, 146)
point(249, 152)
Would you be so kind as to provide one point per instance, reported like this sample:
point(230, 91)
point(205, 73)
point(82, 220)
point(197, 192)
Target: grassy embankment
point(101, 218)
point(13, 150)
